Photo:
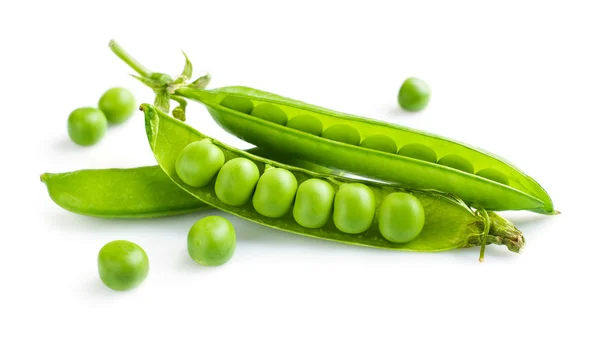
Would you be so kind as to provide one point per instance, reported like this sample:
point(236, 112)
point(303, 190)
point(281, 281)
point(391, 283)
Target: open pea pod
point(449, 223)
point(367, 147)
point(372, 148)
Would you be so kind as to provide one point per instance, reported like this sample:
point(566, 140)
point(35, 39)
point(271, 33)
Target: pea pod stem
point(128, 59)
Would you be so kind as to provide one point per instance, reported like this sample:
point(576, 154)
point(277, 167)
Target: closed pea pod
point(306, 123)
point(418, 151)
point(353, 208)
point(275, 192)
point(198, 163)
point(270, 112)
point(236, 181)
point(313, 204)
point(401, 217)
point(380, 142)
point(342, 133)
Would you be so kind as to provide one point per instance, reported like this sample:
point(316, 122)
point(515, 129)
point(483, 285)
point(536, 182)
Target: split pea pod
point(443, 223)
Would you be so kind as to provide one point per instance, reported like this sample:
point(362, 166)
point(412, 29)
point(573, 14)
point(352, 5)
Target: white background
point(518, 78)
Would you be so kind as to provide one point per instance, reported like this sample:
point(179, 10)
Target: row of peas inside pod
point(313, 203)
point(347, 134)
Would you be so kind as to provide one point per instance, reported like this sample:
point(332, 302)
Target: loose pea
point(457, 162)
point(342, 133)
point(236, 181)
point(275, 192)
point(494, 175)
point(306, 123)
point(118, 104)
point(86, 126)
point(211, 241)
point(270, 112)
point(401, 217)
point(353, 208)
point(379, 142)
point(418, 151)
point(122, 265)
point(238, 103)
point(414, 94)
point(314, 201)
point(199, 162)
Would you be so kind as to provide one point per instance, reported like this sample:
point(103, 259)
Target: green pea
point(275, 192)
point(86, 126)
point(401, 217)
point(270, 112)
point(418, 151)
point(494, 175)
point(306, 123)
point(199, 162)
point(353, 208)
point(414, 94)
point(342, 133)
point(211, 241)
point(122, 265)
point(117, 104)
point(457, 162)
point(236, 181)
point(379, 142)
point(238, 103)
point(314, 202)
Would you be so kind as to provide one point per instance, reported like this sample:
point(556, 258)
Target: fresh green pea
point(306, 123)
point(314, 202)
point(211, 241)
point(414, 94)
point(494, 175)
point(401, 217)
point(418, 151)
point(270, 112)
point(275, 192)
point(122, 265)
point(117, 104)
point(86, 126)
point(236, 181)
point(457, 162)
point(379, 142)
point(238, 103)
point(342, 133)
point(353, 208)
point(199, 162)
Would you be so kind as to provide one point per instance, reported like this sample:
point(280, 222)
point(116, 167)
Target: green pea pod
point(449, 223)
point(367, 147)
point(143, 192)
point(517, 192)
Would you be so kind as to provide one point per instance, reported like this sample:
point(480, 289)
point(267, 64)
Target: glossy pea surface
point(401, 217)
point(240, 104)
point(494, 175)
point(118, 104)
point(457, 162)
point(122, 265)
point(199, 162)
point(211, 241)
point(379, 142)
point(342, 133)
point(236, 181)
point(353, 208)
point(270, 112)
point(86, 126)
point(275, 192)
point(306, 123)
point(418, 151)
point(414, 94)
point(314, 203)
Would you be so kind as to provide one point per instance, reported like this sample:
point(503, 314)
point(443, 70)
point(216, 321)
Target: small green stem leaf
point(187, 69)
point(486, 230)
point(179, 112)
point(201, 82)
point(162, 101)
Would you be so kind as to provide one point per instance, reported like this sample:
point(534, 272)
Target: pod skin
point(449, 223)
